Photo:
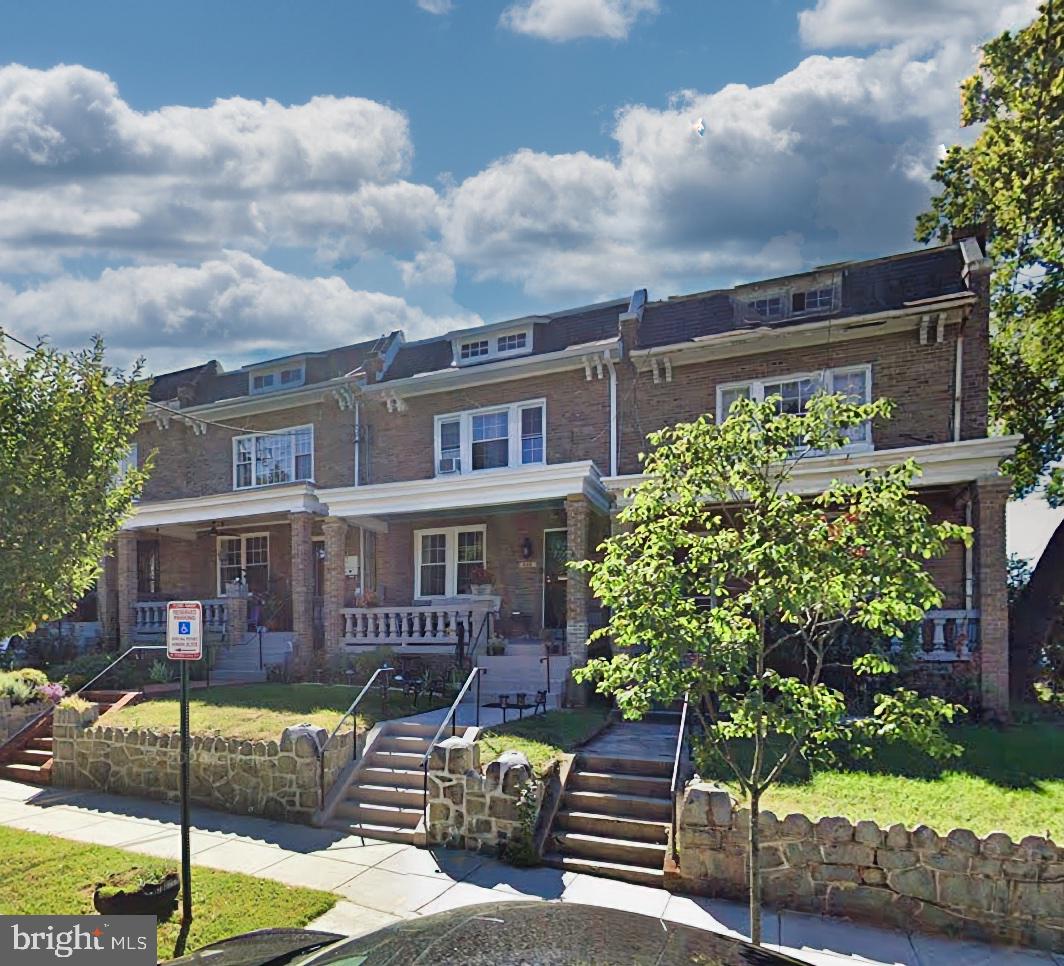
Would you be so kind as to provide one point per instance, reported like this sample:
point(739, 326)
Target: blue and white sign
point(184, 630)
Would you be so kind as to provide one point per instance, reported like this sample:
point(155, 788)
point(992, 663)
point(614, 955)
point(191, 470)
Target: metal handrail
point(49, 711)
point(676, 770)
point(384, 669)
point(476, 672)
point(485, 622)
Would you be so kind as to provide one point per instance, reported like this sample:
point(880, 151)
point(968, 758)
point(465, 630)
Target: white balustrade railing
point(948, 635)
point(150, 616)
point(431, 625)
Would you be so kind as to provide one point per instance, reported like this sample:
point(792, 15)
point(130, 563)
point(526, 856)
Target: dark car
point(497, 933)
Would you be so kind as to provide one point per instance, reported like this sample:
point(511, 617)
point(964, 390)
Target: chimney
point(629, 320)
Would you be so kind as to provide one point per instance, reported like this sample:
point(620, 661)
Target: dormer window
point(475, 349)
point(769, 307)
point(502, 343)
point(511, 342)
point(282, 377)
point(814, 300)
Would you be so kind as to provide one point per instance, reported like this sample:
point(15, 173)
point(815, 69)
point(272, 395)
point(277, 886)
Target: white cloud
point(232, 308)
point(435, 6)
point(430, 267)
point(83, 172)
point(831, 157)
point(561, 20)
point(864, 23)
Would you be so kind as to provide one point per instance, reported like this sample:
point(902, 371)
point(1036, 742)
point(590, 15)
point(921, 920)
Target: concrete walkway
point(381, 882)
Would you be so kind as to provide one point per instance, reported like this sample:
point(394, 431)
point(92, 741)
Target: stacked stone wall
point(470, 808)
point(13, 718)
point(275, 779)
point(989, 888)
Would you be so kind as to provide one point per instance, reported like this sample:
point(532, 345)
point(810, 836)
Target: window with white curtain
point(795, 392)
point(261, 459)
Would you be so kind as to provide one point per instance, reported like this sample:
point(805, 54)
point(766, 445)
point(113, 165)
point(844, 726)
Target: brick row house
point(406, 493)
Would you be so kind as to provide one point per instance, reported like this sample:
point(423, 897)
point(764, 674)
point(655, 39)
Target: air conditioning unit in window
point(450, 464)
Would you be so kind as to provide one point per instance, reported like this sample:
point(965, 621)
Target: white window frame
point(289, 431)
point(450, 579)
point(276, 372)
point(243, 538)
point(493, 351)
point(757, 393)
point(465, 431)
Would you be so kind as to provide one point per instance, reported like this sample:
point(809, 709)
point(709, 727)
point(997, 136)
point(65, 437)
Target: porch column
point(577, 594)
point(126, 578)
point(106, 602)
point(335, 530)
point(991, 572)
point(302, 591)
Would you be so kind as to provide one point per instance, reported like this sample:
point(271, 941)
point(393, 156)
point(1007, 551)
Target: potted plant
point(495, 646)
point(481, 582)
point(137, 892)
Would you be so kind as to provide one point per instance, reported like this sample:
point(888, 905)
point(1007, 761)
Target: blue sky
point(240, 180)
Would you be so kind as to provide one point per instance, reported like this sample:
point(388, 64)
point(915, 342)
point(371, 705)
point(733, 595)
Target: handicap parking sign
point(184, 630)
point(184, 627)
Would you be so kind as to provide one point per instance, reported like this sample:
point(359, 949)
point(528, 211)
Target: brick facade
point(396, 444)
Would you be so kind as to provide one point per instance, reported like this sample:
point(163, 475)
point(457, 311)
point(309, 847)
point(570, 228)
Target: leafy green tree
point(1011, 178)
point(66, 423)
point(722, 565)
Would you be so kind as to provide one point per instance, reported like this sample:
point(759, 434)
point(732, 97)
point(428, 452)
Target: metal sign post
point(184, 643)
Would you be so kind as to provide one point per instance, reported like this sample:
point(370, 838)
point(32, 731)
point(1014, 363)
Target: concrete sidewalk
point(382, 882)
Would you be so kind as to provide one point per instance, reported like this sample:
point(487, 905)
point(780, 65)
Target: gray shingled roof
point(871, 286)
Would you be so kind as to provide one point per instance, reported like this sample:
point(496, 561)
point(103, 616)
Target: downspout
point(958, 374)
point(968, 557)
point(613, 414)
point(358, 443)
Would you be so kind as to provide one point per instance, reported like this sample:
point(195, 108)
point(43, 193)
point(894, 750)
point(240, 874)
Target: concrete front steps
point(384, 797)
point(29, 759)
point(520, 670)
point(240, 662)
point(613, 819)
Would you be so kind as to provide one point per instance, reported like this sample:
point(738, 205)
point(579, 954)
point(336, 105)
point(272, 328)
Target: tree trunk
point(1033, 617)
point(755, 869)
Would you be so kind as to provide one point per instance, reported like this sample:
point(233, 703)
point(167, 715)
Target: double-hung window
point(493, 438)
point(244, 557)
point(795, 392)
point(282, 457)
point(445, 560)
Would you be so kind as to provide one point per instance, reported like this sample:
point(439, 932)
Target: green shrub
point(521, 848)
point(16, 688)
point(83, 669)
point(366, 664)
point(159, 673)
point(32, 675)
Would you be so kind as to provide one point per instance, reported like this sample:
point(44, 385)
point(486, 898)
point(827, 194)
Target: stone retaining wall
point(275, 779)
point(13, 718)
point(990, 889)
point(469, 809)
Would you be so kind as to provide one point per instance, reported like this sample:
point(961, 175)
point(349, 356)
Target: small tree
point(66, 423)
point(723, 565)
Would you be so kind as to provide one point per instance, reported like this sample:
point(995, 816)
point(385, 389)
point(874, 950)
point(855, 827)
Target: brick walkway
point(381, 882)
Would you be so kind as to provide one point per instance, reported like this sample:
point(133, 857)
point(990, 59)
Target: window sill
point(490, 471)
point(267, 486)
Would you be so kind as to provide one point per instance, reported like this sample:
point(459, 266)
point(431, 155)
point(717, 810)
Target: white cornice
point(765, 338)
point(288, 498)
point(339, 388)
point(488, 488)
point(942, 464)
point(505, 370)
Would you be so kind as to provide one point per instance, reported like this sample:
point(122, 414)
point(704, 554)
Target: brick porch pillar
point(126, 578)
point(302, 592)
point(335, 530)
point(106, 599)
point(577, 593)
point(991, 573)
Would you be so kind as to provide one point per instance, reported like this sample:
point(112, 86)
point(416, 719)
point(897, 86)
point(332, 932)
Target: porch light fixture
point(526, 548)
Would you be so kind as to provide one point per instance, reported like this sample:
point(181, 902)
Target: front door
point(555, 578)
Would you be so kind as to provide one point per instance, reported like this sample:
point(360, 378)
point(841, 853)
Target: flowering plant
point(51, 692)
point(478, 575)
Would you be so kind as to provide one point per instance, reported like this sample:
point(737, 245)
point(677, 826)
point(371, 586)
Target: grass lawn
point(44, 875)
point(544, 737)
point(1010, 781)
point(263, 711)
